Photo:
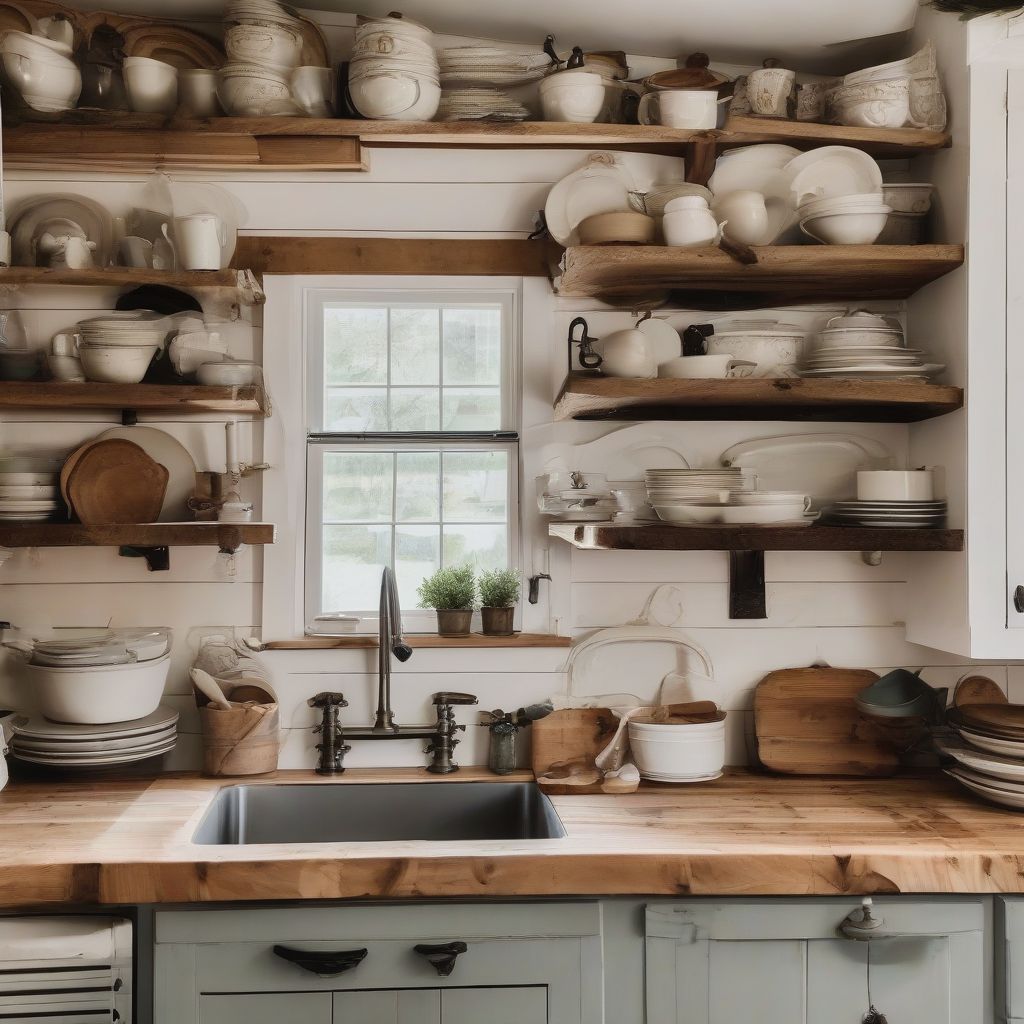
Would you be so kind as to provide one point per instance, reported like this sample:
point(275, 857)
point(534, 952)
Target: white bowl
point(908, 197)
point(228, 373)
point(116, 364)
point(690, 515)
point(576, 102)
point(46, 85)
point(273, 44)
point(775, 355)
point(391, 96)
point(99, 695)
point(895, 485)
point(152, 85)
point(248, 90)
point(846, 228)
point(695, 751)
point(812, 207)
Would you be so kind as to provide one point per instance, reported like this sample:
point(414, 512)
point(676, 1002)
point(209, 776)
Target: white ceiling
point(736, 31)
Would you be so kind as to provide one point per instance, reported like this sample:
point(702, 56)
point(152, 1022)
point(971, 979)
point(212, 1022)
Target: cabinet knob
point(442, 956)
point(323, 964)
point(1018, 599)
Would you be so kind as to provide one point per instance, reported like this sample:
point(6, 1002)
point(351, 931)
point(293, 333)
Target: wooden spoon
point(210, 688)
point(694, 711)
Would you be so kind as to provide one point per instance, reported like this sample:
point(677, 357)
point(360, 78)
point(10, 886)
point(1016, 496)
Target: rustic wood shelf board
point(128, 141)
point(227, 536)
point(592, 397)
point(664, 537)
point(479, 257)
point(181, 399)
point(242, 283)
point(423, 640)
point(782, 275)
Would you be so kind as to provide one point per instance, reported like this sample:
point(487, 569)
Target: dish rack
point(66, 970)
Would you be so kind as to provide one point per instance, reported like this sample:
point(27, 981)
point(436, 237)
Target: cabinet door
point(408, 1006)
point(778, 961)
point(1014, 468)
point(266, 1008)
point(495, 1005)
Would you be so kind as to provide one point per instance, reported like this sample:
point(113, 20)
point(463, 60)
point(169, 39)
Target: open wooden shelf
point(419, 640)
point(102, 139)
point(783, 275)
point(664, 537)
point(176, 399)
point(587, 396)
point(241, 284)
point(225, 536)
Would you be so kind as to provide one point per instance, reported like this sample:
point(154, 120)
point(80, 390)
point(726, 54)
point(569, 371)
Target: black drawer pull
point(442, 956)
point(326, 965)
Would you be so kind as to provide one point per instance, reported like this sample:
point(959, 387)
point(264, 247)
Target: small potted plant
point(499, 592)
point(451, 591)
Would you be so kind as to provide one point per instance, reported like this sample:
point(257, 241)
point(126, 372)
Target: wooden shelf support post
point(746, 585)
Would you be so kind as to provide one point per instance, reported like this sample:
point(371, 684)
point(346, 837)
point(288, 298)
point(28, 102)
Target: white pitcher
point(200, 239)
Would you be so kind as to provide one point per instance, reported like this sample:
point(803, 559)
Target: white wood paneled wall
point(822, 607)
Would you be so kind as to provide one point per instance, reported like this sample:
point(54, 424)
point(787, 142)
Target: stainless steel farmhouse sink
point(378, 812)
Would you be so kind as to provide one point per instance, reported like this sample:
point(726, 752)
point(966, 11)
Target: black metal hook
point(588, 358)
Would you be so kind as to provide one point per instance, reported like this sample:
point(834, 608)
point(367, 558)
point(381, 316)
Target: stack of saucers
point(89, 747)
point(29, 490)
point(490, 65)
point(480, 105)
point(907, 514)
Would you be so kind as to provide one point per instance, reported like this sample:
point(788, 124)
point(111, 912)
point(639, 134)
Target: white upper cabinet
point(973, 320)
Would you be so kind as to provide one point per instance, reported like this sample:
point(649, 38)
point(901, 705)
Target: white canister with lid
point(627, 353)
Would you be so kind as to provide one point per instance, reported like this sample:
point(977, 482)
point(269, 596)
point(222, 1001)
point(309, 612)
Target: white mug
point(197, 93)
point(314, 89)
point(136, 251)
point(690, 367)
point(687, 221)
point(200, 239)
point(65, 343)
point(680, 108)
point(770, 90)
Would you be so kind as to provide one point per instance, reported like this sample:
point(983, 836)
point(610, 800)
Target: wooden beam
point(485, 257)
point(424, 640)
point(178, 399)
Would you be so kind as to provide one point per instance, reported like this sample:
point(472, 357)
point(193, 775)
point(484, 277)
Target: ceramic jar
point(680, 108)
point(688, 221)
point(576, 96)
point(627, 354)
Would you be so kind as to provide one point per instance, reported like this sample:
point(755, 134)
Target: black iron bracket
point(746, 585)
point(129, 418)
point(158, 559)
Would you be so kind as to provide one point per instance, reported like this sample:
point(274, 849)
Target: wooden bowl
point(624, 227)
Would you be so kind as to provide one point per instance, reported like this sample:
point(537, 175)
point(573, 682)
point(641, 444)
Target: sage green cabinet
point(780, 961)
point(524, 964)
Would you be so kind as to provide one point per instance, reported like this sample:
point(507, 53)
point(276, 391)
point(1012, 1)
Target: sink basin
point(378, 812)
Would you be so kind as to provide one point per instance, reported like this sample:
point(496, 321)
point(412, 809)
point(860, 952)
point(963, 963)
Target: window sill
point(362, 642)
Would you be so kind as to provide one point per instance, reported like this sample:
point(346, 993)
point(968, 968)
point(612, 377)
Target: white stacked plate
point(57, 745)
point(590, 509)
point(491, 65)
point(741, 508)
point(888, 513)
point(29, 491)
point(114, 647)
point(870, 363)
point(259, 10)
point(480, 105)
point(130, 328)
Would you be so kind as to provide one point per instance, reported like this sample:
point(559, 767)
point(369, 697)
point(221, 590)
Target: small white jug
point(200, 239)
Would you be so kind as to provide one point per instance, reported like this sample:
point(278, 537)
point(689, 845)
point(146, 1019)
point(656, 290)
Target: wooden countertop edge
point(128, 842)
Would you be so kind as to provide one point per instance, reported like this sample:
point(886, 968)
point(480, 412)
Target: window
point(412, 450)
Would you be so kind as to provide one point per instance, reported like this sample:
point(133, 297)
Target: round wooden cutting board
point(116, 482)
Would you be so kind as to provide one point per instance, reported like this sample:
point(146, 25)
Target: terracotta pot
point(498, 621)
point(454, 621)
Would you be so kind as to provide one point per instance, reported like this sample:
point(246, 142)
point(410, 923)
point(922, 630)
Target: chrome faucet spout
point(389, 641)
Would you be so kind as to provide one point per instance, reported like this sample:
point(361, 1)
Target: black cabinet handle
point(1018, 599)
point(326, 965)
point(442, 956)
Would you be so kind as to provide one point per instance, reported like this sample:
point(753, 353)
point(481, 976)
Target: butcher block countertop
point(745, 834)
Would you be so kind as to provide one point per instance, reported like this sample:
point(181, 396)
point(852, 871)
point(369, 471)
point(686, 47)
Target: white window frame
point(286, 358)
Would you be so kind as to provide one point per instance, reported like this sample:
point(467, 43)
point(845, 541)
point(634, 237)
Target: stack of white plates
point(680, 486)
point(491, 65)
point(130, 328)
point(63, 746)
point(29, 491)
point(248, 11)
point(866, 362)
point(480, 105)
point(587, 508)
point(911, 514)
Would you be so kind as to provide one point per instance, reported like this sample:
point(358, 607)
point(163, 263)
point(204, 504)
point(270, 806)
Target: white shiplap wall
point(822, 607)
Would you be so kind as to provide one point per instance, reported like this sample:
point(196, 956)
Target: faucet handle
point(328, 699)
point(448, 697)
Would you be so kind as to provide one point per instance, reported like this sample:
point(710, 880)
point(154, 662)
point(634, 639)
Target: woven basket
point(243, 741)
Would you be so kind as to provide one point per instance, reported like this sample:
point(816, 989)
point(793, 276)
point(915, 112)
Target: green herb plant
point(450, 588)
point(499, 588)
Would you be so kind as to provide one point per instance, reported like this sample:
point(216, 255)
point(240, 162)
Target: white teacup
point(690, 367)
point(680, 108)
point(152, 85)
point(197, 93)
point(313, 89)
point(770, 91)
point(576, 96)
point(136, 251)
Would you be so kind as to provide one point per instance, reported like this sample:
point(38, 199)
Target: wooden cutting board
point(806, 723)
point(577, 735)
point(115, 481)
